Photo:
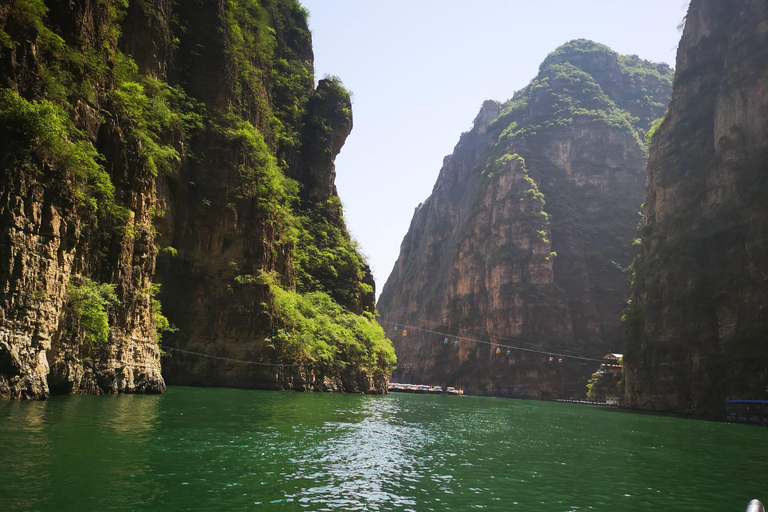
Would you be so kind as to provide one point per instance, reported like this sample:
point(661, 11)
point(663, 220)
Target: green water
point(223, 449)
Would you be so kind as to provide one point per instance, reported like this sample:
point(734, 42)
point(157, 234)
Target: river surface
point(229, 450)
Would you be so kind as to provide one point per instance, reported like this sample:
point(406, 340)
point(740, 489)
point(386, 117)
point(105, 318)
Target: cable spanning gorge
point(501, 342)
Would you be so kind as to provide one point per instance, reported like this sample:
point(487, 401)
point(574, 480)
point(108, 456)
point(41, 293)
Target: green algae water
point(224, 449)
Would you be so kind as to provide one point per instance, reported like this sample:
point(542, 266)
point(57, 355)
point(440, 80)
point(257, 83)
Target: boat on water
point(396, 387)
point(747, 411)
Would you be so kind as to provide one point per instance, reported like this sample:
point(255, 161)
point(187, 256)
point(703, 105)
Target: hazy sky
point(419, 70)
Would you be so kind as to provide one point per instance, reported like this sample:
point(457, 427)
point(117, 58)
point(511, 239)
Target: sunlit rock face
point(698, 322)
point(183, 144)
point(55, 226)
point(529, 232)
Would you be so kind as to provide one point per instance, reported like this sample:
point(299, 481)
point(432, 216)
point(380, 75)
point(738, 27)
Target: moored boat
point(396, 387)
point(747, 411)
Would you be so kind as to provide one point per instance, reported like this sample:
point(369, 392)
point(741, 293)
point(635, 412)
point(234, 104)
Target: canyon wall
point(529, 232)
point(176, 154)
point(697, 324)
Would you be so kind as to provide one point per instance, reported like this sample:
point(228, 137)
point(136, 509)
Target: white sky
point(419, 70)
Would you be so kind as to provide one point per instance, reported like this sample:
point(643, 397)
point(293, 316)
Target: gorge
point(169, 215)
point(527, 245)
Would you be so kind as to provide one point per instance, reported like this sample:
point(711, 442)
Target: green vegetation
point(251, 47)
point(88, 303)
point(143, 106)
point(583, 50)
point(643, 90)
point(291, 80)
point(266, 39)
point(326, 258)
point(315, 330)
point(80, 96)
point(652, 130)
point(577, 83)
point(531, 217)
point(602, 384)
point(328, 110)
point(39, 136)
point(647, 89)
point(593, 379)
point(560, 96)
point(66, 72)
point(27, 13)
point(259, 174)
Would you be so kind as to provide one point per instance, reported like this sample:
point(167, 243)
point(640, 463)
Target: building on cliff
point(176, 153)
point(613, 364)
point(530, 229)
point(697, 326)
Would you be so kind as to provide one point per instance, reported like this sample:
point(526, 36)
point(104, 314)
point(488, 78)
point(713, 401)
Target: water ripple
point(208, 449)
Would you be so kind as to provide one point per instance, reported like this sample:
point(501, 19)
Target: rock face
point(64, 215)
point(181, 144)
point(528, 234)
point(697, 325)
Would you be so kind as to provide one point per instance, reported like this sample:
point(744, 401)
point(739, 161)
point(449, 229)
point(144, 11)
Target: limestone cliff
point(66, 215)
point(698, 322)
point(182, 144)
point(527, 236)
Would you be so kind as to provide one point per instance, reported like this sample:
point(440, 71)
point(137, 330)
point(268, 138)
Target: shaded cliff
point(697, 325)
point(177, 153)
point(529, 231)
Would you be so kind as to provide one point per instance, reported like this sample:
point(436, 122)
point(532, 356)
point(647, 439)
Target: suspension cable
point(243, 361)
point(511, 347)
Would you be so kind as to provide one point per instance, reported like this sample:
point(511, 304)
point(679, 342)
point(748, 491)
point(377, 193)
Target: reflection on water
point(354, 466)
point(219, 449)
point(24, 452)
point(74, 450)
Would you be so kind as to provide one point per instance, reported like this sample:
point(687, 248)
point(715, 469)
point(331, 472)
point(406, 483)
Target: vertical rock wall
point(527, 237)
point(181, 144)
point(50, 238)
point(697, 328)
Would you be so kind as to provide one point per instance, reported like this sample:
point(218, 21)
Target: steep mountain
point(177, 153)
point(698, 322)
point(529, 231)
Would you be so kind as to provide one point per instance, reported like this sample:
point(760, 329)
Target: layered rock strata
point(175, 153)
point(529, 231)
point(62, 218)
